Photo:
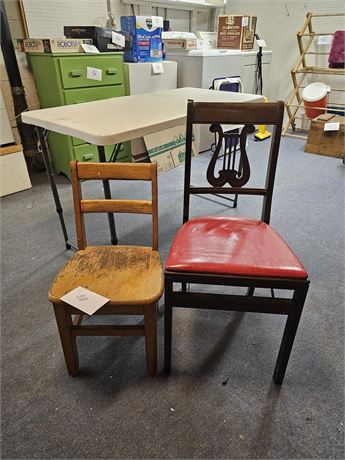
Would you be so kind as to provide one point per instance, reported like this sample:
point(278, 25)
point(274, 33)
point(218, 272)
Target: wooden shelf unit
point(301, 69)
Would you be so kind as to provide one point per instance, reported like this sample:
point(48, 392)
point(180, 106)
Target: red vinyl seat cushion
point(233, 246)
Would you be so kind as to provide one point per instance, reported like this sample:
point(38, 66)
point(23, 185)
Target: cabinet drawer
point(74, 71)
point(77, 96)
point(88, 152)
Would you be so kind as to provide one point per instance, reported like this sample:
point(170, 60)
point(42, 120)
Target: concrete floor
point(220, 401)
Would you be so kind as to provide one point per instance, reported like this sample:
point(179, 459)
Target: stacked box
point(146, 35)
point(102, 37)
point(236, 32)
point(180, 43)
point(52, 45)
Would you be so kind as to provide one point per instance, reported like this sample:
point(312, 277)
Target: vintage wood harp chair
point(234, 251)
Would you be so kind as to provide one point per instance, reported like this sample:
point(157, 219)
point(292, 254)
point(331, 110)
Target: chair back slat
point(113, 171)
point(239, 113)
point(229, 178)
point(124, 171)
point(121, 206)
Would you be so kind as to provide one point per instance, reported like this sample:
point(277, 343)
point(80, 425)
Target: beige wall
point(14, 19)
point(17, 31)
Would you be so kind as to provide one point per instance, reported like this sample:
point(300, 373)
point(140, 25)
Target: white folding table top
point(120, 119)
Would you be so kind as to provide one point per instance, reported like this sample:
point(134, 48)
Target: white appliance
point(198, 68)
point(140, 78)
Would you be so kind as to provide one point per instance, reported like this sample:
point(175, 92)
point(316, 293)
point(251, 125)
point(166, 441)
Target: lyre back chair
point(234, 251)
point(130, 276)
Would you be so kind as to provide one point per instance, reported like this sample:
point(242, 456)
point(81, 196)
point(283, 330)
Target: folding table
point(116, 120)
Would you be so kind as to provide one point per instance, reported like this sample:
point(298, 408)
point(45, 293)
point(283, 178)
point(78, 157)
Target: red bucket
point(315, 95)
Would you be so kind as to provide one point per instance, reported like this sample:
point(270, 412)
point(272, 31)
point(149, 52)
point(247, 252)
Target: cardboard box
point(236, 32)
point(164, 162)
point(146, 38)
point(329, 143)
point(176, 43)
point(167, 148)
point(52, 45)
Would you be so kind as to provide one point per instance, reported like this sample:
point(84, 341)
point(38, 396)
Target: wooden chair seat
point(124, 274)
point(233, 246)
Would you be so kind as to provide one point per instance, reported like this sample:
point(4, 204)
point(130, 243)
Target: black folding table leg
point(115, 153)
point(289, 334)
point(107, 194)
point(50, 173)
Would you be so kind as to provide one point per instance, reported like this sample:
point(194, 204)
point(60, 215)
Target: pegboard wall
point(46, 18)
point(278, 23)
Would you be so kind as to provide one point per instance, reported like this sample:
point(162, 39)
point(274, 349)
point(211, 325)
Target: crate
point(329, 143)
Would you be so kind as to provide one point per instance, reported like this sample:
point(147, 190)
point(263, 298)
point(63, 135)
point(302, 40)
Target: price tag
point(324, 39)
point(89, 48)
point(261, 43)
point(157, 68)
point(85, 300)
point(245, 21)
point(92, 73)
point(118, 39)
point(332, 126)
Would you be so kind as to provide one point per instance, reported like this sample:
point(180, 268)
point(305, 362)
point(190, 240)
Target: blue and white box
point(146, 36)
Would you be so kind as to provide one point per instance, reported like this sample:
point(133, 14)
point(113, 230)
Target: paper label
point(157, 68)
point(245, 21)
point(85, 300)
point(261, 43)
point(118, 39)
point(157, 21)
point(89, 48)
point(324, 39)
point(92, 73)
point(332, 126)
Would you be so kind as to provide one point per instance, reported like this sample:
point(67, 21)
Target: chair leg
point(78, 319)
point(150, 319)
point(69, 345)
point(250, 291)
point(167, 326)
point(289, 335)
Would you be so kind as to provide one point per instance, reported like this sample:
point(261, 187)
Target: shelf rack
point(301, 69)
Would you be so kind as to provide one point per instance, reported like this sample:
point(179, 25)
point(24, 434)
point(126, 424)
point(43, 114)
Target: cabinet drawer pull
point(76, 73)
point(87, 156)
point(111, 71)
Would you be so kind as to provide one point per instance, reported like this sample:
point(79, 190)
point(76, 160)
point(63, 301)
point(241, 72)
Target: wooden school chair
point(130, 276)
point(234, 251)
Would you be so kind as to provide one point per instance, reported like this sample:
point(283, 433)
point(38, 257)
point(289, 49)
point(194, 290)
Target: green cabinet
point(62, 79)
